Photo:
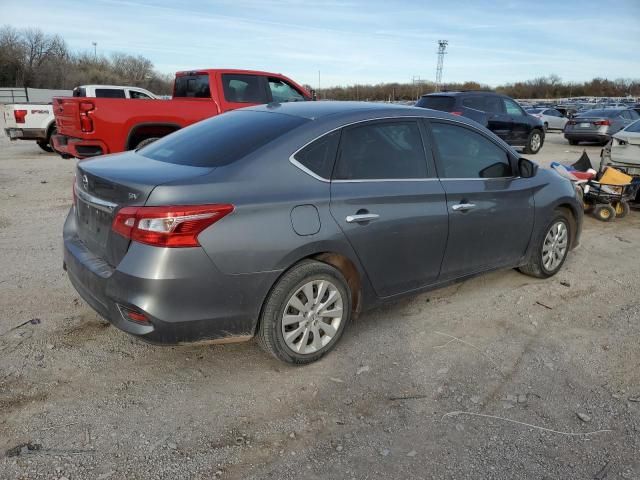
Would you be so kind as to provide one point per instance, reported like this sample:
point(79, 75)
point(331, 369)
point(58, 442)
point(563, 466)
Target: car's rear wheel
point(534, 142)
point(551, 249)
point(573, 142)
point(305, 314)
point(146, 142)
point(46, 144)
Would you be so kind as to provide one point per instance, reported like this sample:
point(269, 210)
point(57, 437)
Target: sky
point(355, 42)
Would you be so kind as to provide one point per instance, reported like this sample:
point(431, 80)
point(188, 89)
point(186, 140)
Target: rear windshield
point(610, 113)
point(437, 102)
point(222, 139)
point(79, 92)
point(194, 86)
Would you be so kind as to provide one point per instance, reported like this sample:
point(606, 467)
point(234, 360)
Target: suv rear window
point(110, 93)
point(437, 102)
point(192, 86)
point(222, 139)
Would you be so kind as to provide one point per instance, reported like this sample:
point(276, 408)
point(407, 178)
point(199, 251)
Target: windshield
point(222, 139)
point(535, 110)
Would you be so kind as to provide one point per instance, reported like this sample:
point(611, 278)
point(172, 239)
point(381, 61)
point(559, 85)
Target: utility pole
point(95, 50)
point(442, 47)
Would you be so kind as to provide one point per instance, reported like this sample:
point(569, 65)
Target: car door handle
point(363, 217)
point(463, 207)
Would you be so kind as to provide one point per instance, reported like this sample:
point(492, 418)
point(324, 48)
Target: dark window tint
point(634, 114)
point(437, 102)
point(464, 153)
point(244, 88)
point(476, 102)
point(79, 92)
point(136, 94)
point(110, 93)
point(493, 104)
point(381, 151)
point(283, 92)
point(320, 155)
point(222, 139)
point(193, 86)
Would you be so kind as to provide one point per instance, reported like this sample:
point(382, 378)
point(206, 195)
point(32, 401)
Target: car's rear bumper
point(587, 136)
point(78, 147)
point(26, 133)
point(181, 292)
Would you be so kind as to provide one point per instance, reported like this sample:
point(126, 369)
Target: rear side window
point(320, 155)
point(389, 150)
point(493, 104)
point(476, 102)
point(244, 88)
point(463, 153)
point(192, 86)
point(222, 139)
point(110, 93)
point(437, 102)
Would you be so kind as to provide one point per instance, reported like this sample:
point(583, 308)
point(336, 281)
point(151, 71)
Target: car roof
point(317, 110)
point(454, 93)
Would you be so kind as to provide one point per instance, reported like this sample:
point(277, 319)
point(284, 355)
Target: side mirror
point(527, 168)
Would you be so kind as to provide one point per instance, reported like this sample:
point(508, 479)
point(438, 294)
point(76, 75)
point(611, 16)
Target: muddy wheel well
point(572, 220)
point(350, 272)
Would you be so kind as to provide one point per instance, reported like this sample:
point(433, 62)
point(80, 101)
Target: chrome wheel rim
point(312, 317)
point(555, 246)
point(535, 141)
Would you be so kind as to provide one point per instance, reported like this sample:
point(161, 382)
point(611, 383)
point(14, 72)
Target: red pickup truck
point(95, 126)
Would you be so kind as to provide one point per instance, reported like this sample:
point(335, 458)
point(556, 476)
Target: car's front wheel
point(305, 314)
point(534, 142)
point(551, 249)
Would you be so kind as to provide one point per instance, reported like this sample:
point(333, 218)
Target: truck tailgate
point(67, 113)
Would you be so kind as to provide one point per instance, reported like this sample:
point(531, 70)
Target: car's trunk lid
point(106, 184)
point(588, 123)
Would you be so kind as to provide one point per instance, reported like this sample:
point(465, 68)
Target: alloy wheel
point(536, 139)
point(555, 245)
point(312, 317)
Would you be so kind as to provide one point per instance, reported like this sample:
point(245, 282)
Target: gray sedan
point(598, 125)
point(285, 221)
point(551, 118)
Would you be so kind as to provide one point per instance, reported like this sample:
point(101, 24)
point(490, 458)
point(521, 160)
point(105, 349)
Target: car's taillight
point(86, 123)
point(602, 122)
point(172, 226)
point(20, 115)
point(456, 113)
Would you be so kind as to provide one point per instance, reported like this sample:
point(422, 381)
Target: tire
point(534, 142)
point(281, 302)
point(573, 142)
point(621, 208)
point(545, 265)
point(604, 213)
point(46, 144)
point(146, 142)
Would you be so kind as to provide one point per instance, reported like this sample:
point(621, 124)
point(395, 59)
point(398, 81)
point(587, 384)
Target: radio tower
point(442, 47)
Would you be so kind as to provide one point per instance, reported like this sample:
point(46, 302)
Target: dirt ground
point(80, 399)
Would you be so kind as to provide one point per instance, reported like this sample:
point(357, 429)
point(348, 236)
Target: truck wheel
point(534, 142)
point(146, 142)
point(44, 145)
point(305, 314)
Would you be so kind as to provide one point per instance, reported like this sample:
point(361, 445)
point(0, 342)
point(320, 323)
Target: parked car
point(113, 91)
point(282, 221)
point(87, 128)
point(499, 113)
point(598, 125)
point(623, 151)
point(551, 118)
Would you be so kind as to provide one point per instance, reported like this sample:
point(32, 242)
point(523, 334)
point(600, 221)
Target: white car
point(551, 117)
point(35, 121)
point(623, 151)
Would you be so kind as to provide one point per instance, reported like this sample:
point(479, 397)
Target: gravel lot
point(80, 399)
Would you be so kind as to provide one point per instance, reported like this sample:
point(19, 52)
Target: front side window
point(320, 155)
point(110, 93)
point(382, 150)
point(241, 88)
point(283, 92)
point(463, 153)
point(192, 86)
point(136, 94)
point(512, 108)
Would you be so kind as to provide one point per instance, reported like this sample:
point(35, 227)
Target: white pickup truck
point(35, 121)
